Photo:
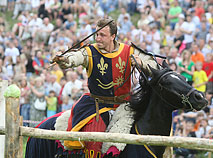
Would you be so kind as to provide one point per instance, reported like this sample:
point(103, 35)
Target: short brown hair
point(112, 25)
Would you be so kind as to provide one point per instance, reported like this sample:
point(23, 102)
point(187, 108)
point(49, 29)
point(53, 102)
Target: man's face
point(103, 38)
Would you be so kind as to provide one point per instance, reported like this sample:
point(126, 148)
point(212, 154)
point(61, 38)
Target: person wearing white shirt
point(34, 24)
point(12, 51)
point(188, 28)
point(72, 82)
point(44, 31)
point(204, 129)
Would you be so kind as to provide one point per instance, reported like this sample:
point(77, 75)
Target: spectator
point(95, 9)
point(24, 100)
point(70, 23)
point(38, 62)
point(12, 51)
point(202, 33)
point(21, 5)
point(72, 81)
point(188, 29)
point(195, 18)
point(210, 34)
point(65, 11)
point(10, 5)
point(204, 129)
point(168, 36)
point(122, 15)
point(196, 55)
point(35, 5)
point(19, 68)
point(186, 67)
point(85, 28)
point(8, 64)
point(54, 9)
point(54, 85)
point(18, 28)
point(143, 20)
point(208, 68)
point(173, 66)
point(44, 31)
point(60, 98)
point(204, 21)
point(34, 23)
point(51, 100)
point(188, 127)
point(108, 6)
point(29, 66)
point(200, 78)
point(173, 14)
point(57, 29)
point(178, 40)
point(202, 46)
point(132, 7)
point(181, 18)
point(155, 39)
point(78, 8)
point(57, 72)
point(174, 56)
point(37, 92)
point(199, 9)
point(208, 14)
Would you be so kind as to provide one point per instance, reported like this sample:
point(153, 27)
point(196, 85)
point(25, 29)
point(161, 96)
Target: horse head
point(174, 90)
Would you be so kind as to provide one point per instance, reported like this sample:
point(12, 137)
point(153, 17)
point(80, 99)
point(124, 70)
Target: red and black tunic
point(106, 75)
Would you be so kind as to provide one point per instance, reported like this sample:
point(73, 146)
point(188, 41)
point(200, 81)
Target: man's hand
point(62, 61)
point(137, 59)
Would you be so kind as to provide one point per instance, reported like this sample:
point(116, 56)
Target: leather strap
point(110, 100)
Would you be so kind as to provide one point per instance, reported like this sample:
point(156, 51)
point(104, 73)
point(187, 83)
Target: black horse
point(153, 105)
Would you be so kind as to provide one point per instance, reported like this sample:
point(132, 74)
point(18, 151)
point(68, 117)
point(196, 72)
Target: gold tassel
point(97, 109)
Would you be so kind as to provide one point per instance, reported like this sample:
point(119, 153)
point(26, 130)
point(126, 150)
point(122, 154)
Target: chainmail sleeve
point(146, 59)
point(77, 58)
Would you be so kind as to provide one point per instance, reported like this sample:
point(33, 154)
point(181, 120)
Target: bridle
point(184, 98)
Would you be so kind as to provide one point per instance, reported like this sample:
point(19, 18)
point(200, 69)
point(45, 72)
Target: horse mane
point(140, 99)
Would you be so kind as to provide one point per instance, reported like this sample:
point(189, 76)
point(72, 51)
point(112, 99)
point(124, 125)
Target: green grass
point(7, 15)
point(134, 18)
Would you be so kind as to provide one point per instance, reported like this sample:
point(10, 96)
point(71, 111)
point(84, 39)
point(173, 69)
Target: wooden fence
point(13, 132)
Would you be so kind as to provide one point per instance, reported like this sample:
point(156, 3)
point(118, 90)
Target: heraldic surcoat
point(108, 76)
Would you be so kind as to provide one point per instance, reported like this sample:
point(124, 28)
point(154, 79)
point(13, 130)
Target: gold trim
point(110, 55)
point(90, 66)
point(147, 148)
point(86, 120)
point(78, 144)
point(91, 153)
point(131, 52)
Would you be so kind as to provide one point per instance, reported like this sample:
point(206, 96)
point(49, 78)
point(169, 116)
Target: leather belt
point(107, 100)
point(110, 100)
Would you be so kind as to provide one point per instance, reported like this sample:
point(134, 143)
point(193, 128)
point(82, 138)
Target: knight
point(109, 65)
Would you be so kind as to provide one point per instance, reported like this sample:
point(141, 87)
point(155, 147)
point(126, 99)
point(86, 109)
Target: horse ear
point(165, 65)
point(154, 71)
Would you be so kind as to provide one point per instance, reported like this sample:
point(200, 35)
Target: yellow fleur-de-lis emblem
point(102, 66)
point(120, 65)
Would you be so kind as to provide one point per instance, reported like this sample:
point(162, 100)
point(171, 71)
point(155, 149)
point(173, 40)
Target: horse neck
point(157, 119)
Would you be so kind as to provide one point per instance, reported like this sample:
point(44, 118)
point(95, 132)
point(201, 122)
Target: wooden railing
point(13, 131)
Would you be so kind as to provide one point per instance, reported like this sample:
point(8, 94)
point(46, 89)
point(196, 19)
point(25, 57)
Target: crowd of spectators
point(180, 29)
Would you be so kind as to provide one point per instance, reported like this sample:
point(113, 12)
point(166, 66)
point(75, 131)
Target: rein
point(185, 98)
